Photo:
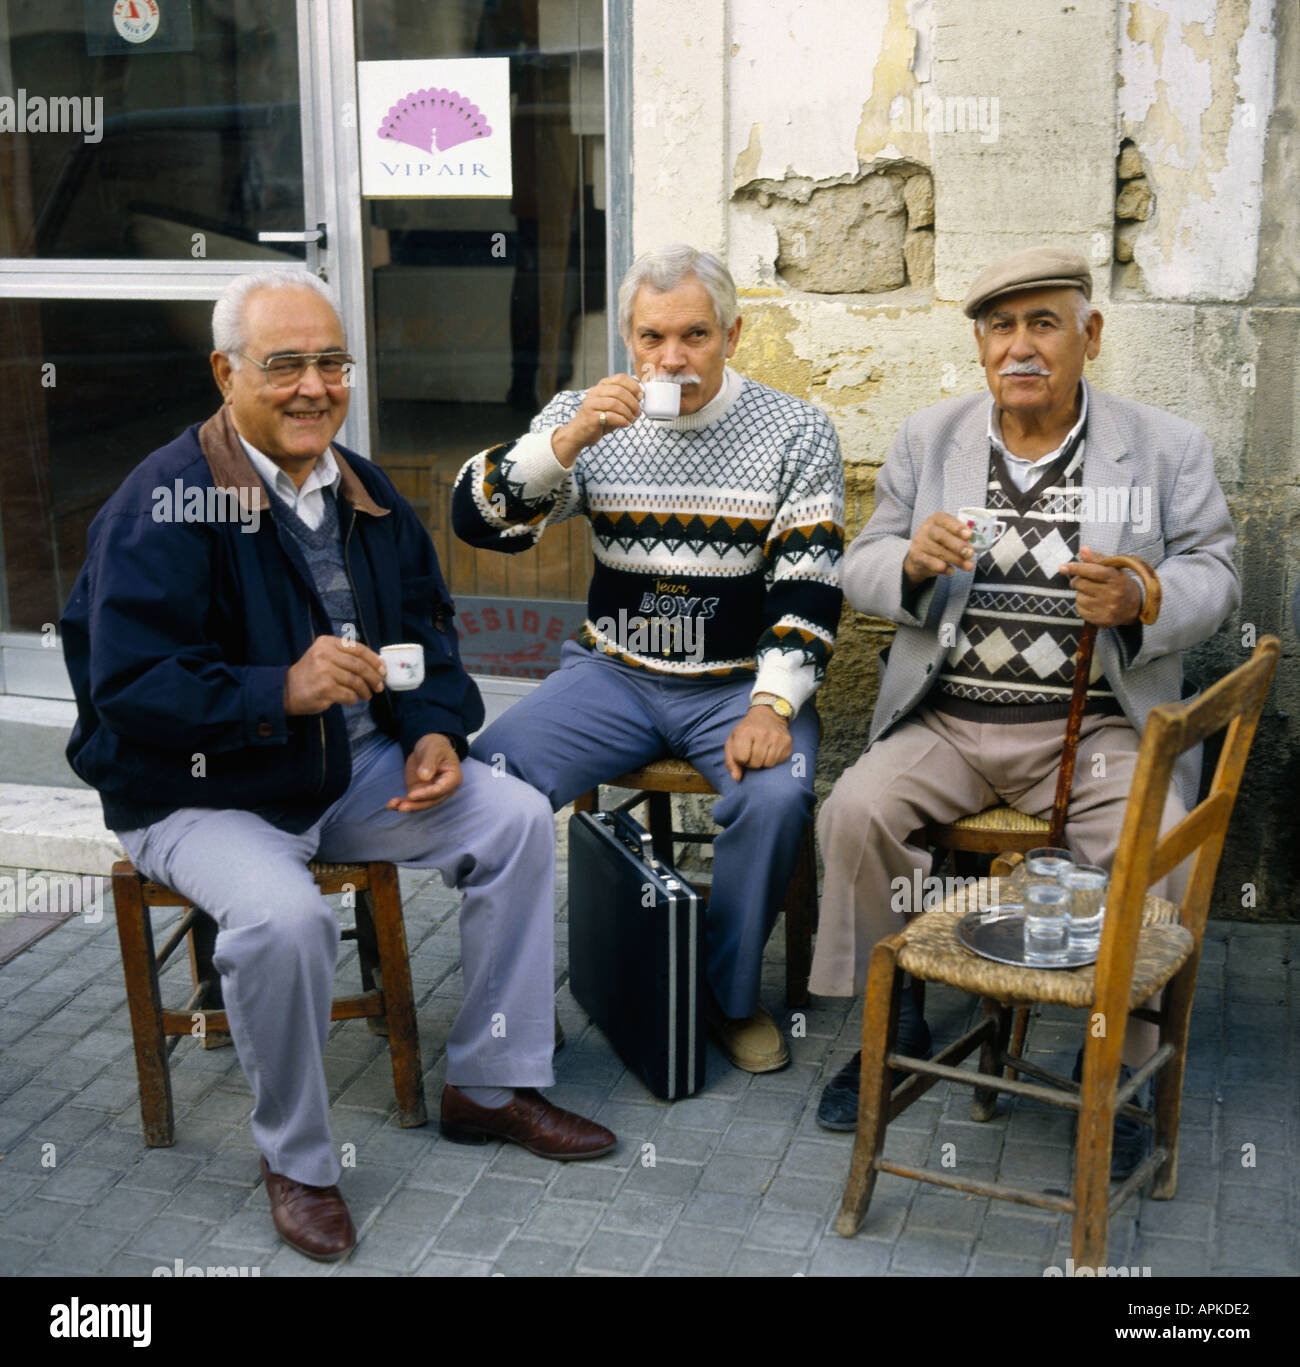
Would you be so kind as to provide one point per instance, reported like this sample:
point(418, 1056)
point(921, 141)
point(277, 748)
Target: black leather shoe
point(1131, 1139)
point(838, 1108)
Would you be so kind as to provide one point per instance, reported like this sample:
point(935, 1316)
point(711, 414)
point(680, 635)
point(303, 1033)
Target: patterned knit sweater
point(1014, 658)
point(717, 536)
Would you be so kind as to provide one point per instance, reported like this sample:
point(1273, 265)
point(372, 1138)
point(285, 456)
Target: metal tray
point(998, 933)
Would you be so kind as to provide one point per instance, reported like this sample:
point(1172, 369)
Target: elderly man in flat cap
point(976, 690)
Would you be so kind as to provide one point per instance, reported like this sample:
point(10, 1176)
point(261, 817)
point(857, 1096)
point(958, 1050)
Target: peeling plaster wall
point(748, 98)
point(789, 107)
point(1195, 94)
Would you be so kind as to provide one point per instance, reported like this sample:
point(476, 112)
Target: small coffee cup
point(662, 399)
point(985, 527)
point(405, 666)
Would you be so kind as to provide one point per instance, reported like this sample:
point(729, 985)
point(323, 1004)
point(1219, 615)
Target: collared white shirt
point(309, 501)
point(1022, 470)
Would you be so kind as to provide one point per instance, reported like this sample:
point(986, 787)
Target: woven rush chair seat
point(654, 784)
point(995, 830)
point(386, 1001)
point(1002, 819)
point(932, 951)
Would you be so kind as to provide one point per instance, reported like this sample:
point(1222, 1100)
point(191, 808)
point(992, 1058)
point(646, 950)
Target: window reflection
point(470, 343)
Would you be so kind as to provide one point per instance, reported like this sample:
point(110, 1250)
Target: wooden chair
point(386, 998)
point(654, 784)
point(1144, 949)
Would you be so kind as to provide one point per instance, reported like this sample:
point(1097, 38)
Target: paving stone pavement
point(738, 1180)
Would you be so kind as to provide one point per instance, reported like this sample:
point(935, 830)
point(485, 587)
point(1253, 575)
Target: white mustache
point(1023, 368)
point(688, 377)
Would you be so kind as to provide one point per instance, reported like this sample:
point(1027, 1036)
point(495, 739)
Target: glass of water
point(1086, 884)
point(1044, 864)
point(1047, 931)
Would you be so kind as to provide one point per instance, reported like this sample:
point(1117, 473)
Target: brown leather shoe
point(314, 1220)
point(529, 1120)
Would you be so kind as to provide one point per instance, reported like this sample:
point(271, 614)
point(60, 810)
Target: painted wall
point(857, 162)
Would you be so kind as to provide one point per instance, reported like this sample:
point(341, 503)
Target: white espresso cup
point(662, 399)
point(985, 527)
point(405, 666)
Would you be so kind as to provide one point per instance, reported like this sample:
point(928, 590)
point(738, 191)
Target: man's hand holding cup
point(940, 546)
point(613, 403)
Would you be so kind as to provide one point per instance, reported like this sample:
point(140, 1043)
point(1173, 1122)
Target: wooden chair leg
point(1175, 1023)
point(1018, 1033)
point(1092, 1156)
point(585, 802)
point(135, 935)
point(800, 916)
point(879, 1029)
point(399, 997)
point(985, 1100)
point(203, 945)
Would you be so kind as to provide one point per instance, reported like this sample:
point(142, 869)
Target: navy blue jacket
point(178, 636)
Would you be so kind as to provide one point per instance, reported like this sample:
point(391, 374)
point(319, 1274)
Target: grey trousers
point(934, 767)
point(276, 950)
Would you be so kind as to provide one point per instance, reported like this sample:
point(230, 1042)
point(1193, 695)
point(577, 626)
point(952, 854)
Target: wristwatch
point(775, 702)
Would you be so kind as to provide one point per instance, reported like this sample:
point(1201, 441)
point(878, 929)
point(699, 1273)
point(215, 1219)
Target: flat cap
point(1032, 269)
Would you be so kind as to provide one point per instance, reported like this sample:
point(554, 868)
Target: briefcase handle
point(633, 835)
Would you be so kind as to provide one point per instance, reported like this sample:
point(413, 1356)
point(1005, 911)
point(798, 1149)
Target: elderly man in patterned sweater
point(712, 610)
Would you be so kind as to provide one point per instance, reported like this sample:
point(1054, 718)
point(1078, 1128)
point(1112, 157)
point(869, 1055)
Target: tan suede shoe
point(754, 1044)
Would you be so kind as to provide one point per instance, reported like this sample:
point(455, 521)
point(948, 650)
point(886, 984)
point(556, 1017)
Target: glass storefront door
point(482, 305)
point(147, 149)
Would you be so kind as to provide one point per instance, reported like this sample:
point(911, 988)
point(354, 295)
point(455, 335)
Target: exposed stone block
point(1130, 162)
point(1134, 201)
point(1125, 235)
point(847, 239)
point(918, 195)
point(918, 253)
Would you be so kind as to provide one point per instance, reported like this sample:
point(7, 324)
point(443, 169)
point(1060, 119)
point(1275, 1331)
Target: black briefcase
point(636, 951)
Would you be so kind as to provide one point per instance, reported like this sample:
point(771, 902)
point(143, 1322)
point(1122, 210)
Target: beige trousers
point(934, 767)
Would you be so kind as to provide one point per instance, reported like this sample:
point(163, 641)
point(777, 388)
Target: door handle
point(314, 235)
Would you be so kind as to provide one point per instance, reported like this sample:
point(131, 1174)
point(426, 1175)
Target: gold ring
point(602, 417)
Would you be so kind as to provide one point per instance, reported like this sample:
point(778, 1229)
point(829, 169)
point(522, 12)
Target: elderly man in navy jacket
point(222, 640)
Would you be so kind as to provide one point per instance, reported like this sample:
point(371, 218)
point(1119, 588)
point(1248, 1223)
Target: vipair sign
point(437, 128)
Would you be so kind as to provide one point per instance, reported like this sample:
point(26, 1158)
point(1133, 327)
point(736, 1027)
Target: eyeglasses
point(282, 371)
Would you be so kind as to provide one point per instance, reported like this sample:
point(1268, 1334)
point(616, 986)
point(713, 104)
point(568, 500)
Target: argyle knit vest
point(322, 548)
point(1014, 657)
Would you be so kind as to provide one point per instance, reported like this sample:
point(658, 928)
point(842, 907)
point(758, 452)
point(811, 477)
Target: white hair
point(665, 268)
point(1083, 310)
point(228, 322)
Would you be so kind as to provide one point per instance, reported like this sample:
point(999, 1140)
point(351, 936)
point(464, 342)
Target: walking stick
point(1070, 747)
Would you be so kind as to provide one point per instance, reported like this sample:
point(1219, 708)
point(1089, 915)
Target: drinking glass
point(1086, 884)
point(1044, 864)
point(1047, 934)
